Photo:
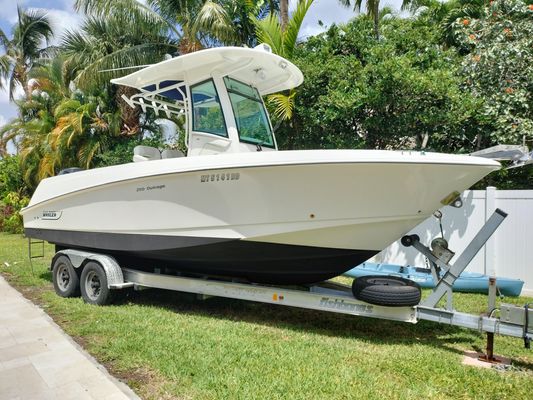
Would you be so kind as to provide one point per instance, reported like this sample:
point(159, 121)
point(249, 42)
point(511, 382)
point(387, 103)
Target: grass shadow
point(46, 276)
point(374, 330)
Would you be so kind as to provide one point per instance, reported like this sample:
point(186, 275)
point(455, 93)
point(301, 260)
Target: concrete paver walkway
point(39, 361)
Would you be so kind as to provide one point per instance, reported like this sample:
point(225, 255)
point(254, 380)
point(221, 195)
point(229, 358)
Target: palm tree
point(81, 131)
point(31, 129)
point(107, 47)
point(243, 14)
point(194, 24)
point(200, 22)
point(208, 23)
point(372, 9)
point(23, 49)
point(283, 42)
point(59, 126)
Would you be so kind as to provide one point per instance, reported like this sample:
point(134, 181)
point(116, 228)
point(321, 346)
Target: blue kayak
point(470, 282)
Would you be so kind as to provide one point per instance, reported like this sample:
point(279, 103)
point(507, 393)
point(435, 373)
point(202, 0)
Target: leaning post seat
point(146, 153)
point(171, 153)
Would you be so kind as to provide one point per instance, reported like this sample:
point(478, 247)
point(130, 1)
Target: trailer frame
point(333, 297)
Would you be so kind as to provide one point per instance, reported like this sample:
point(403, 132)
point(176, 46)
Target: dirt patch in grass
point(145, 382)
point(32, 293)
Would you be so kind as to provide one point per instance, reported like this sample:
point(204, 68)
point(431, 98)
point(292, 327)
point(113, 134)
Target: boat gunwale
point(203, 169)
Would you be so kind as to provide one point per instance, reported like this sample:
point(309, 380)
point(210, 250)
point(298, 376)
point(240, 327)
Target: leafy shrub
point(402, 91)
point(499, 69)
point(11, 179)
point(13, 194)
point(10, 218)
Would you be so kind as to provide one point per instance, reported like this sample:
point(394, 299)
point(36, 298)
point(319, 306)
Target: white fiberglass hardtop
point(219, 92)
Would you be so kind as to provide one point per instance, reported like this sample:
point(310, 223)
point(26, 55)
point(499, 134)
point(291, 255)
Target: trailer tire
point(94, 288)
point(65, 277)
point(390, 291)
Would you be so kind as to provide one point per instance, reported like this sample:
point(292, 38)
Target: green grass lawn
point(170, 345)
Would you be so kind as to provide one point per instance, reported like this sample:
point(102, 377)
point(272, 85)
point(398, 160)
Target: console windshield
point(250, 114)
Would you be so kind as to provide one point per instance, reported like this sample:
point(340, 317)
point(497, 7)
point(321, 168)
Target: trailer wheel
point(388, 291)
point(94, 289)
point(65, 278)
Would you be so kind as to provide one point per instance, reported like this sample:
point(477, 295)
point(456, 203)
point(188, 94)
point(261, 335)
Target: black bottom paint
point(253, 261)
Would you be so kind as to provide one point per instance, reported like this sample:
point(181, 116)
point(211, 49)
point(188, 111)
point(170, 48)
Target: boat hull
point(275, 217)
point(249, 260)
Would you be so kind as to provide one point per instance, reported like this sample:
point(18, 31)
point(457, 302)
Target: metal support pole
point(489, 355)
point(464, 259)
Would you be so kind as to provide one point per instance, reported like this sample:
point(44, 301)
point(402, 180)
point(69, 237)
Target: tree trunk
point(284, 14)
point(131, 124)
point(187, 45)
point(20, 75)
point(376, 19)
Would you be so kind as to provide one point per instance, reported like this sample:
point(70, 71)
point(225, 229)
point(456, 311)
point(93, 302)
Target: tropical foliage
point(23, 49)
point(282, 37)
point(13, 195)
point(401, 91)
point(499, 68)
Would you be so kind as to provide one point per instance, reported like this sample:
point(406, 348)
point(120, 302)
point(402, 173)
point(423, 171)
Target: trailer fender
point(115, 278)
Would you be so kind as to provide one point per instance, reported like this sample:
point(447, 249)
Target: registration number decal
point(223, 176)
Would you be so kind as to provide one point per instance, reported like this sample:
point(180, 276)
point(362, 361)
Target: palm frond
point(66, 107)
point(293, 27)
point(283, 104)
point(4, 41)
point(5, 67)
point(131, 9)
point(268, 31)
point(100, 71)
point(47, 165)
point(214, 19)
point(34, 26)
point(87, 152)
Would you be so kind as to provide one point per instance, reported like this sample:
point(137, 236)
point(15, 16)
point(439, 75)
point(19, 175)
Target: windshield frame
point(218, 100)
point(258, 100)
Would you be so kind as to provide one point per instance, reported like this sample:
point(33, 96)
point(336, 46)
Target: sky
point(63, 17)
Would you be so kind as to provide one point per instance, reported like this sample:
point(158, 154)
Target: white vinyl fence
point(509, 252)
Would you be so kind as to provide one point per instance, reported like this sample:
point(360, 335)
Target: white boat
point(235, 206)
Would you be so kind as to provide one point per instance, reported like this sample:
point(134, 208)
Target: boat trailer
point(101, 277)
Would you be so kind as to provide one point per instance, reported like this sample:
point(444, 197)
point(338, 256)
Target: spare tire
point(388, 291)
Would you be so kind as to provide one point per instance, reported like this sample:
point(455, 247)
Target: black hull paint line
point(254, 261)
point(118, 241)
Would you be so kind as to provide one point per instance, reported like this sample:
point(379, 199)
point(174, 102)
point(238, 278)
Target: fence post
point(490, 246)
